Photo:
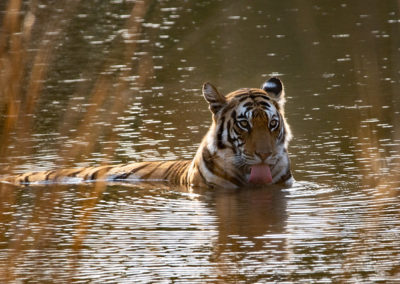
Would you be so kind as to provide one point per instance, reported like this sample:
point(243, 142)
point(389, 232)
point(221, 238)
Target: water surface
point(119, 90)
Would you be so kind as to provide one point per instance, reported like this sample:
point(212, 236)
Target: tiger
point(246, 145)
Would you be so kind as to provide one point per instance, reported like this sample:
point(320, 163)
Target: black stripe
point(176, 170)
point(220, 143)
point(282, 134)
point(86, 177)
point(139, 168)
point(224, 111)
point(125, 175)
point(285, 177)
point(121, 176)
point(236, 181)
point(208, 161)
point(74, 173)
point(239, 179)
point(239, 96)
point(265, 97)
point(277, 162)
point(231, 140)
point(181, 169)
point(96, 173)
point(233, 115)
point(93, 176)
point(169, 171)
point(148, 175)
point(216, 170)
point(215, 107)
point(48, 173)
point(177, 167)
point(267, 105)
point(236, 132)
point(247, 110)
point(242, 97)
point(201, 174)
point(254, 96)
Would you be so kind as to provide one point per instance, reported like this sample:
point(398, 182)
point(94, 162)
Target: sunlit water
point(340, 222)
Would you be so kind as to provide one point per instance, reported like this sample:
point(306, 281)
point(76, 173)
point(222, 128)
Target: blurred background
point(92, 82)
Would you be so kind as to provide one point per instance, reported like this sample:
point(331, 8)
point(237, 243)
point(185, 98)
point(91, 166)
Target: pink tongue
point(260, 174)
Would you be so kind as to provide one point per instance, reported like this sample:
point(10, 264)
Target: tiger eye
point(243, 124)
point(273, 123)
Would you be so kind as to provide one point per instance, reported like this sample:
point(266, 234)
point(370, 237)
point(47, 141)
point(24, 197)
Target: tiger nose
point(263, 155)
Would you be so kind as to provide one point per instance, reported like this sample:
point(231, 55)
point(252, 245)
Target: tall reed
point(23, 73)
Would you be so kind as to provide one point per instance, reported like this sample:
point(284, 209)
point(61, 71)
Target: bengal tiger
point(246, 145)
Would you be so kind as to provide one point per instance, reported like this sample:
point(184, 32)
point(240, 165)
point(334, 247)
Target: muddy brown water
point(340, 222)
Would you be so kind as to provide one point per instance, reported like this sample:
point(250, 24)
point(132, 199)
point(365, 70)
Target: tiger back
point(246, 144)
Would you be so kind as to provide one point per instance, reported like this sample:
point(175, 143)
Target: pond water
point(119, 81)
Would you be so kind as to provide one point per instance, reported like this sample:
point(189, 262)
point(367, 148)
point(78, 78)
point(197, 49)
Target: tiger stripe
point(240, 137)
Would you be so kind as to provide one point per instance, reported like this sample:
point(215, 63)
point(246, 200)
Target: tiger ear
point(274, 87)
point(213, 97)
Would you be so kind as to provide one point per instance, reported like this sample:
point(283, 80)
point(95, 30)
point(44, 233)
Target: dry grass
point(22, 75)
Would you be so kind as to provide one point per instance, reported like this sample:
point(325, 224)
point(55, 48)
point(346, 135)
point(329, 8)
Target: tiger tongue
point(260, 174)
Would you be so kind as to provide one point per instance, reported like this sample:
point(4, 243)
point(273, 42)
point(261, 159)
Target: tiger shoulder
point(246, 144)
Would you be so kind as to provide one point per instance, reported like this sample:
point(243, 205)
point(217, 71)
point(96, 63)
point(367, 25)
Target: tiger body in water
point(245, 145)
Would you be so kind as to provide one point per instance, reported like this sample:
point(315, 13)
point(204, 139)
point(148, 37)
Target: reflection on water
point(147, 234)
point(117, 81)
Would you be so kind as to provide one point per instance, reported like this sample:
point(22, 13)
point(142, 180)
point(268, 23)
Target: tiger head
point(249, 135)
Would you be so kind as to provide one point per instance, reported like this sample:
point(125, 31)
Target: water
point(136, 93)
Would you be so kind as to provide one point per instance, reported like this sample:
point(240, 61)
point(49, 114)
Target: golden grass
point(22, 75)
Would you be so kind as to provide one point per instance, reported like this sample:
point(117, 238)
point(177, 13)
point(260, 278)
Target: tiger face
point(249, 135)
